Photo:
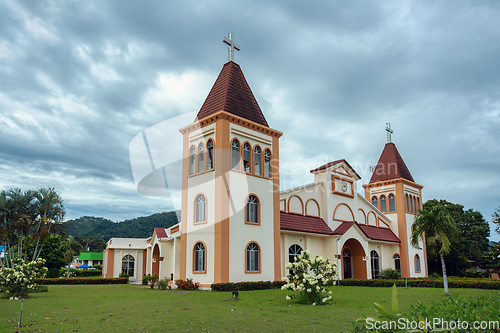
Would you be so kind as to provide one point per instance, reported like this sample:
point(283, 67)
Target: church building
point(236, 225)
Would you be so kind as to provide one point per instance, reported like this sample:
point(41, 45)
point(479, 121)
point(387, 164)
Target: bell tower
point(230, 226)
point(395, 193)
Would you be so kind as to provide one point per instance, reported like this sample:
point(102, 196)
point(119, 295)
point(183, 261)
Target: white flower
point(288, 298)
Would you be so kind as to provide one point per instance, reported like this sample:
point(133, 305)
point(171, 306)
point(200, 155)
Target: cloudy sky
point(79, 80)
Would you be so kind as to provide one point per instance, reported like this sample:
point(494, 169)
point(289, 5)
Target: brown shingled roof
point(301, 223)
point(390, 166)
point(161, 232)
point(231, 93)
point(371, 232)
point(381, 234)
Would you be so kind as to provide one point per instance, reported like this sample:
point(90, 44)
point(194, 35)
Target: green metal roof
point(90, 256)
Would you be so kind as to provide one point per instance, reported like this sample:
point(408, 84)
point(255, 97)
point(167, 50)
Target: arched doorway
point(353, 260)
point(156, 260)
point(347, 266)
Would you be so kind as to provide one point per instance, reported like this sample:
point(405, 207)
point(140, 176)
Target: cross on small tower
point(389, 132)
point(231, 45)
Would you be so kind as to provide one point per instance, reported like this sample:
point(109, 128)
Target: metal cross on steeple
point(389, 132)
point(231, 45)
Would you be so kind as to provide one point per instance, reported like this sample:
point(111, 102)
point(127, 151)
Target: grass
point(134, 308)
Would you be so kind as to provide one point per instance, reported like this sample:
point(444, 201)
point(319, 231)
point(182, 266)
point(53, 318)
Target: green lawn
point(122, 308)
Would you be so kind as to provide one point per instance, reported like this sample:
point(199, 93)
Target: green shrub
point(187, 284)
point(124, 275)
point(163, 284)
point(145, 279)
point(73, 272)
point(476, 273)
point(389, 274)
point(434, 276)
point(469, 309)
point(52, 273)
point(427, 283)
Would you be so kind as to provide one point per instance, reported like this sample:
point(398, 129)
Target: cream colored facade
point(236, 225)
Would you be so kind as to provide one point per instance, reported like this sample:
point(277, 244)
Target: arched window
point(192, 160)
point(256, 161)
point(347, 260)
point(407, 206)
point(415, 204)
point(235, 155)
point(199, 209)
point(128, 263)
point(418, 203)
point(210, 158)
point(252, 211)
point(267, 163)
point(294, 251)
point(375, 264)
point(246, 157)
point(392, 203)
point(397, 263)
point(252, 258)
point(201, 158)
point(375, 201)
point(417, 263)
point(199, 257)
point(383, 205)
point(411, 204)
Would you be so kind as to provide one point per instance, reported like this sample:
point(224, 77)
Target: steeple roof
point(390, 166)
point(231, 93)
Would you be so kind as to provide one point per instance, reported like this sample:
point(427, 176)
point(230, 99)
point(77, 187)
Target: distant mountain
point(141, 227)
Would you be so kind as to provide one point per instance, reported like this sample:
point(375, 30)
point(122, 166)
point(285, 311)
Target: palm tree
point(438, 228)
point(50, 213)
point(72, 248)
point(18, 216)
point(28, 213)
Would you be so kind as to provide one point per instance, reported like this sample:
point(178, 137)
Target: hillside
point(141, 227)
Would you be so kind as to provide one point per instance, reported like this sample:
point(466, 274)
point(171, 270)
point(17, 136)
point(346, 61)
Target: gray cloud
point(79, 80)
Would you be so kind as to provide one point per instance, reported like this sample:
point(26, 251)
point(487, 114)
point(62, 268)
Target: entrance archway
point(353, 265)
point(156, 260)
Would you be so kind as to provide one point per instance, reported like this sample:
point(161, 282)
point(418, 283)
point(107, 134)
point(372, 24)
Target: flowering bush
point(309, 277)
point(20, 280)
point(187, 284)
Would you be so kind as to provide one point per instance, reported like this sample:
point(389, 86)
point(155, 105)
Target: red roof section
point(161, 232)
point(330, 164)
point(371, 232)
point(301, 223)
point(341, 229)
point(381, 234)
point(390, 166)
point(231, 93)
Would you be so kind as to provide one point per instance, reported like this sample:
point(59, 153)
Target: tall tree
point(72, 248)
point(50, 212)
point(496, 220)
point(471, 243)
point(438, 227)
point(25, 214)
